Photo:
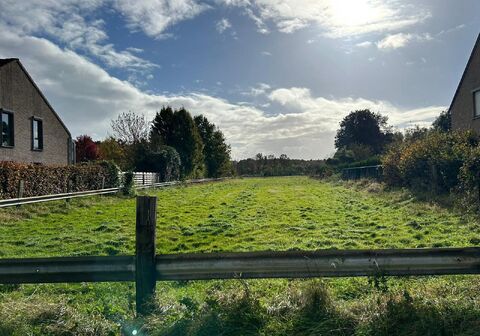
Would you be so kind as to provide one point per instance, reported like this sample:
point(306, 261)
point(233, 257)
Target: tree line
point(173, 144)
point(270, 165)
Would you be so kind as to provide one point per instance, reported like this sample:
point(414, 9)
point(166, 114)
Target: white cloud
point(259, 89)
point(153, 17)
point(87, 98)
point(223, 25)
point(337, 18)
point(64, 21)
point(266, 53)
point(364, 44)
point(401, 40)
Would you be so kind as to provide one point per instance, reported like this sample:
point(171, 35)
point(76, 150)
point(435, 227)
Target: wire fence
point(356, 173)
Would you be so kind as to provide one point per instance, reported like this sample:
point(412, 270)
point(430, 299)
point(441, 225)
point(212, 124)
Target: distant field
point(240, 215)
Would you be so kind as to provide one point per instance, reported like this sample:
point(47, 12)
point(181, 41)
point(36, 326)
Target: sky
point(276, 76)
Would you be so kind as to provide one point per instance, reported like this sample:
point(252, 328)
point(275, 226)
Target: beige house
point(465, 107)
point(30, 129)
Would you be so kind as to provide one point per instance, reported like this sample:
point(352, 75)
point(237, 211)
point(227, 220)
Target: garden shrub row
point(47, 180)
point(436, 163)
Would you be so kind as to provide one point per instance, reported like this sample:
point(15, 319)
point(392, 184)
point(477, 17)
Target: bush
point(128, 184)
point(469, 187)
point(47, 180)
point(165, 161)
point(432, 163)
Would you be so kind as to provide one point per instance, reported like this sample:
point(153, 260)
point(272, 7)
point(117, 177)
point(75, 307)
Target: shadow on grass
point(311, 311)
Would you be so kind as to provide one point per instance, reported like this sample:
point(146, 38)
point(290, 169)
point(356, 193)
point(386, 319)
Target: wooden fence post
point(145, 270)
point(20, 190)
point(69, 189)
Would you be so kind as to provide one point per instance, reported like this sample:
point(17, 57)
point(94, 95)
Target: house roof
point(475, 48)
point(4, 61)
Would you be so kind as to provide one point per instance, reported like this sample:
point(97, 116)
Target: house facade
point(30, 129)
point(465, 107)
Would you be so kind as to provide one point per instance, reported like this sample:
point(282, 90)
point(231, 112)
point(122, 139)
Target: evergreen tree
point(216, 151)
point(178, 130)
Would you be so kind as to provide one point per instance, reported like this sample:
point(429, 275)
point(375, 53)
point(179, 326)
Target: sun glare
point(352, 12)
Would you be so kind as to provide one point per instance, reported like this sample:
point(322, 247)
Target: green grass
point(245, 215)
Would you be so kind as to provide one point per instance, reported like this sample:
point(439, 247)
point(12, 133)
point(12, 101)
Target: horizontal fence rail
point(67, 269)
point(323, 263)
point(47, 198)
point(247, 265)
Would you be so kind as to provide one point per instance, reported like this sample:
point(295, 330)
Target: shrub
point(46, 180)
point(128, 184)
point(469, 187)
point(429, 163)
point(165, 161)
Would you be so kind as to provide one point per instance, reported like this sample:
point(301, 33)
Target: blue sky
point(276, 76)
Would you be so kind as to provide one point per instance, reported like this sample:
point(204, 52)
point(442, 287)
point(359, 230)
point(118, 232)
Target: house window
point(37, 134)
point(6, 129)
point(476, 102)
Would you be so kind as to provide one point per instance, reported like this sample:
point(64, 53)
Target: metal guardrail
point(247, 265)
point(64, 196)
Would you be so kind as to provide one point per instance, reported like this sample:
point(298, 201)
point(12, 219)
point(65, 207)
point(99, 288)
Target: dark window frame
point(476, 114)
point(12, 116)
point(40, 135)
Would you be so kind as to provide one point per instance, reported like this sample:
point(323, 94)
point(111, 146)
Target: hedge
point(47, 180)
point(429, 164)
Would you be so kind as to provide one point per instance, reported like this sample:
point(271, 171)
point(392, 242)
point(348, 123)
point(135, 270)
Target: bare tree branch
point(130, 128)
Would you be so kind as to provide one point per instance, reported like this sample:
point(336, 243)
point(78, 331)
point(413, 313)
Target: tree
point(165, 161)
point(162, 129)
point(443, 123)
point(364, 127)
point(85, 149)
point(130, 128)
point(216, 151)
point(111, 150)
point(178, 130)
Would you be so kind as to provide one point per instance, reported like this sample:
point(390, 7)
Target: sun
point(353, 12)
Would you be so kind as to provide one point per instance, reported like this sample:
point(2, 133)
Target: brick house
point(30, 129)
point(465, 107)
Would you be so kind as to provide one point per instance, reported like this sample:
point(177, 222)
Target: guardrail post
point(145, 271)
point(20, 190)
point(69, 189)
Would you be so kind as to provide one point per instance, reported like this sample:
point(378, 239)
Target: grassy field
point(245, 215)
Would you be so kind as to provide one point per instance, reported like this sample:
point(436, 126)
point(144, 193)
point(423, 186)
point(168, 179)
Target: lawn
point(244, 215)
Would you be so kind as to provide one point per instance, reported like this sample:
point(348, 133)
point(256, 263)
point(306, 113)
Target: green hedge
point(429, 164)
point(47, 180)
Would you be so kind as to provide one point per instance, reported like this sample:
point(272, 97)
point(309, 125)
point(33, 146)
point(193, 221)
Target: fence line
point(145, 268)
point(66, 196)
point(356, 173)
point(246, 265)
